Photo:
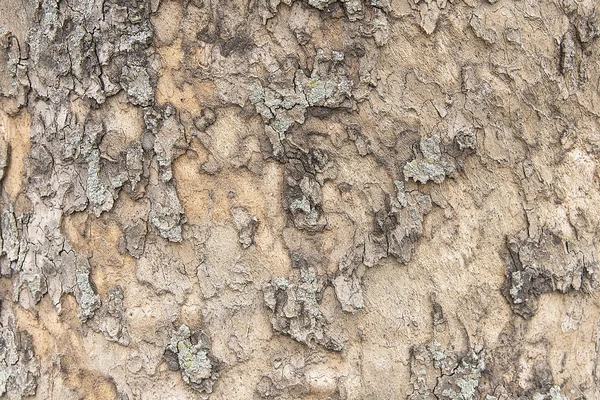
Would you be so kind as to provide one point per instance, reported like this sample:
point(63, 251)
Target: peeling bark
point(300, 199)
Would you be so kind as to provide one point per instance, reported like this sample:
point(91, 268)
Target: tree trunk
point(311, 199)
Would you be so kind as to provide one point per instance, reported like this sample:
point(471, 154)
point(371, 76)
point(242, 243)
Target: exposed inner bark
point(301, 199)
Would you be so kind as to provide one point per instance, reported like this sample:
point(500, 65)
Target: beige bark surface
point(300, 199)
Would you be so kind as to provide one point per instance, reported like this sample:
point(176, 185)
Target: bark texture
point(300, 199)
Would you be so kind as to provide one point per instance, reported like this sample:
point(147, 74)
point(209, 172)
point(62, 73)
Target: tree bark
point(299, 200)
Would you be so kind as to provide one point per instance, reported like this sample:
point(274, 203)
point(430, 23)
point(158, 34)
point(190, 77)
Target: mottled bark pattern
point(299, 199)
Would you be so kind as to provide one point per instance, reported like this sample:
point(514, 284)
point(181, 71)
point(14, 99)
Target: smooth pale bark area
point(307, 199)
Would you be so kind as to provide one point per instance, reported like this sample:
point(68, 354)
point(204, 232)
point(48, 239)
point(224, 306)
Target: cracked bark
point(300, 199)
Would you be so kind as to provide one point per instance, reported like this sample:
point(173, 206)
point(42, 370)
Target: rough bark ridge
point(353, 199)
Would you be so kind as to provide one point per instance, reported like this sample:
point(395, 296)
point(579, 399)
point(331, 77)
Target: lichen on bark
point(299, 199)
